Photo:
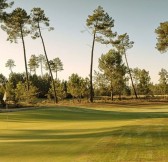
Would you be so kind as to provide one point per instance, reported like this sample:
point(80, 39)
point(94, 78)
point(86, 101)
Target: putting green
point(88, 133)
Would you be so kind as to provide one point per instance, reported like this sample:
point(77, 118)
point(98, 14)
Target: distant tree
point(56, 65)
point(163, 81)
point(76, 86)
point(41, 61)
point(3, 82)
point(14, 78)
point(135, 75)
point(37, 18)
point(144, 84)
point(163, 76)
point(162, 37)
point(100, 24)
point(2, 92)
point(142, 80)
point(15, 24)
point(10, 63)
point(3, 79)
point(43, 84)
point(112, 67)
point(33, 63)
point(10, 91)
point(27, 96)
point(85, 87)
point(101, 84)
point(122, 44)
point(60, 88)
point(65, 87)
point(154, 89)
point(20, 91)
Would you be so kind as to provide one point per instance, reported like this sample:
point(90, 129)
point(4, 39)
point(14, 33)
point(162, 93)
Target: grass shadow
point(78, 114)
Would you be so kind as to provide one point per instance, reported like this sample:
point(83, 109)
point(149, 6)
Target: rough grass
point(86, 133)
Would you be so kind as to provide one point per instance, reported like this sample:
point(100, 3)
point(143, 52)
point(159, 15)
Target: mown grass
point(86, 133)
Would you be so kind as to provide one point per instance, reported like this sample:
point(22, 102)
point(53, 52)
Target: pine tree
point(37, 18)
point(100, 24)
point(15, 25)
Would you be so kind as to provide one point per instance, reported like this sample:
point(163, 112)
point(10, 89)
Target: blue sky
point(138, 18)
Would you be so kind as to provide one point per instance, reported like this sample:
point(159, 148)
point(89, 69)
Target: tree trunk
point(56, 75)
point(91, 69)
point(112, 96)
point(136, 96)
point(41, 69)
point(55, 95)
point(24, 49)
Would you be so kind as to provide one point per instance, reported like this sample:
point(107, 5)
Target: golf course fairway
point(86, 133)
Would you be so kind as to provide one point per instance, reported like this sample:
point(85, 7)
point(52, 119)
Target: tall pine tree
point(100, 24)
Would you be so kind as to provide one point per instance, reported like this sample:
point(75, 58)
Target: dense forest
point(114, 80)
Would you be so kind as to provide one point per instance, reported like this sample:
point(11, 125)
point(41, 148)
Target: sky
point(72, 43)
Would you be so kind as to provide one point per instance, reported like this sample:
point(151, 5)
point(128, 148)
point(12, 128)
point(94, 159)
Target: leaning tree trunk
point(24, 49)
point(41, 69)
point(55, 95)
point(91, 69)
point(136, 96)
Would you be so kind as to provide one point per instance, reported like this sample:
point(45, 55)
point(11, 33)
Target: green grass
point(86, 133)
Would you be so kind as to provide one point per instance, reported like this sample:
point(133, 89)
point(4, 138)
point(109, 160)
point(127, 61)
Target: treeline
point(39, 61)
point(113, 85)
point(41, 87)
point(114, 78)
